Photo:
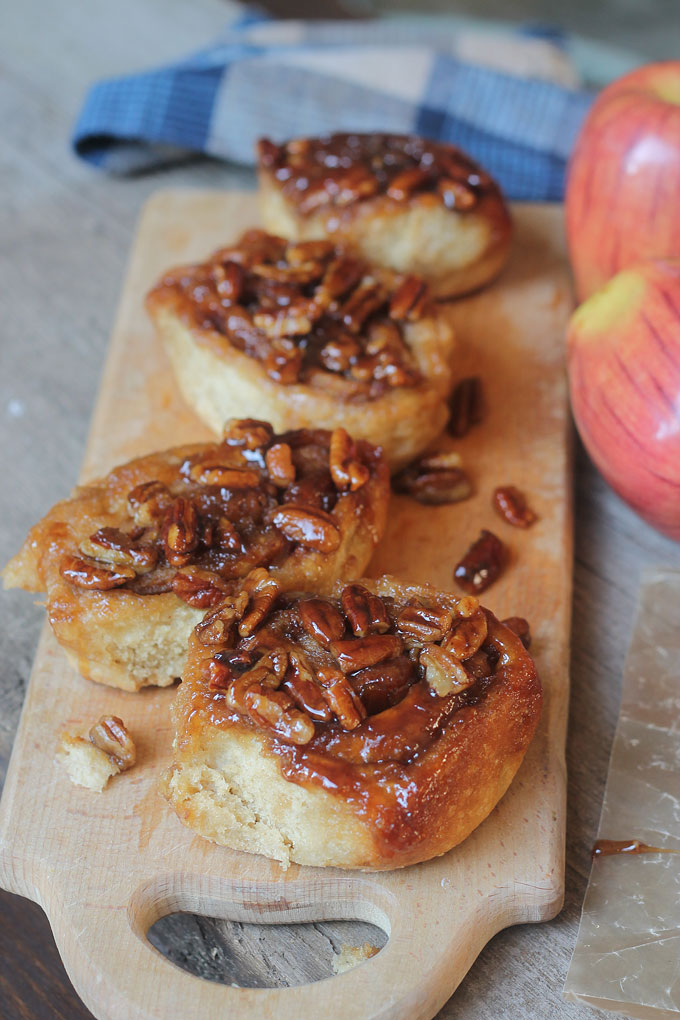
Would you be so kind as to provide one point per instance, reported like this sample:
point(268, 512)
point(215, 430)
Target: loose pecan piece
point(482, 564)
point(180, 533)
point(465, 406)
point(512, 506)
point(115, 546)
point(311, 528)
point(148, 502)
point(366, 612)
point(434, 479)
point(342, 699)
point(280, 465)
point(111, 736)
point(88, 574)
point(354, 654)
point(347, 470)
point(423, 624)
point(276, 710)
point(519, 626)
point(408, 300)
point(468, 637)
point(321, 620)
point(247, 432)
point(444, 673)
point(199, 588)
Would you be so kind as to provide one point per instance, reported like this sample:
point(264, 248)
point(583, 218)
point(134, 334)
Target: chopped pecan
point(342, 275)
point(368, 297)
point(229, 278)
point(339, 353)
point(347, 471)
point(512, 506)
point(342, 699)
point(465, 406)
point(434, 479)
point(423, 624)
point(284, 361)
point(199, 588)
point(404, 184)
point(311, 528)
point(276, 711)
point(321, 620)
point(148, 502)
point(384, 685)
point(213, 472)
point(262, 591)
point(457, 195)
point(354, 654)
point(86, 573)
point(408, 300)
point(519, 626)
point(366, 612)
point(180, 533)
point(115, 546)
point(280, 465)
point(292, 320)
point(468, 636)
point(444, 673)
point(111, 736)
point(215, 628)
point(482, 564)
point(247, 432)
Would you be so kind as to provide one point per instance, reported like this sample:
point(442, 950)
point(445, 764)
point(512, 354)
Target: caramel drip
point(614, 847)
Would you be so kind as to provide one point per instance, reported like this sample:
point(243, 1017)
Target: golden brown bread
point(403, 202)
point(131, 562)
point(374, 728)
point(307, 335)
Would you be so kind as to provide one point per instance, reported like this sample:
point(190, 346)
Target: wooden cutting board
point(106, 866)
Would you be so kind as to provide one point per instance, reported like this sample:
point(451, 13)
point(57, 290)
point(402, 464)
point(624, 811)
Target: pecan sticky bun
point(305, 335)
point(408, 203)
point(372, 728)
point(131, 563)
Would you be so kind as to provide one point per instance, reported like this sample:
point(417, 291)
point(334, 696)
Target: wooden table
point(65, 232)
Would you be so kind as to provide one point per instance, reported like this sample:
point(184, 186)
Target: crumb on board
point(85, 764)
point(352, 956)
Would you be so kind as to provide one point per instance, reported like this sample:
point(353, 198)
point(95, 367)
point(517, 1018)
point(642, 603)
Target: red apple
point(624, 377)
point(623, 183)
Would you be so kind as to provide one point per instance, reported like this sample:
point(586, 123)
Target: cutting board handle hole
point(245, 954)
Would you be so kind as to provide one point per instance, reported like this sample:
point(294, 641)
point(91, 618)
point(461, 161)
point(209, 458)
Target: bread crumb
point(352, 956)
point(85, 764)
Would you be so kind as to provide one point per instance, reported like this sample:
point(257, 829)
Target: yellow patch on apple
point(612, 304)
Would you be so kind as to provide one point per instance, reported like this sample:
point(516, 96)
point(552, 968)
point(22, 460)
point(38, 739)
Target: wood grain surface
point(106, 868)
point(64, 238)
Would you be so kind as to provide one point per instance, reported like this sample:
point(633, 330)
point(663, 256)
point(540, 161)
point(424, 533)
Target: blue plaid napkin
point(492, 97)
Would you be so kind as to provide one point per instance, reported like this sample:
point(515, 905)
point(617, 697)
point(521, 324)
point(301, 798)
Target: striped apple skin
point(623, 183)
point(624, 379)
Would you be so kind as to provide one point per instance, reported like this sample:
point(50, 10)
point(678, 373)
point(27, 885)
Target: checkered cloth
point(509, 99)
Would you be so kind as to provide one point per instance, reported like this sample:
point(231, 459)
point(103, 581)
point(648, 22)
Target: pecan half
point(115, 546)
point(342, 699)
point(87, 574)
point(199, 588)
point(366, 299)
point(220, 675)
point(280, 465)
point(384, 685)
point(180, 533)
point(340, 353)
point(247, 432)
point(215, 628)
point(423, 624)
point(408, 300)
point(148, 502)
point(347, 471)
point(111, 737)
point(482, 564)
point(311, 528)
point(512, 506)
point(354, 654)
point(212, 472)
point(321, 620)
point(262, 591)
point(276, 710)
point(342, 275)
point(519, 626)
point(366, 612)
point(444, 673)
point(468, 637)
point(465, 406)
point(434, 479)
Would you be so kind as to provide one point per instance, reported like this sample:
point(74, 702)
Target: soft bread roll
point(130, 563)
point(374, 728)
point(306, 335)
point(407, 203)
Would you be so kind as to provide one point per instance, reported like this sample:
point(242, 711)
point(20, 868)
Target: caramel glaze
point(310, 313)
point(613, 847)
point(344, 170)
point(403, 766)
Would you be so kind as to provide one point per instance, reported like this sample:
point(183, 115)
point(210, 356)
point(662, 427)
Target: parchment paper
point(627, 955)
